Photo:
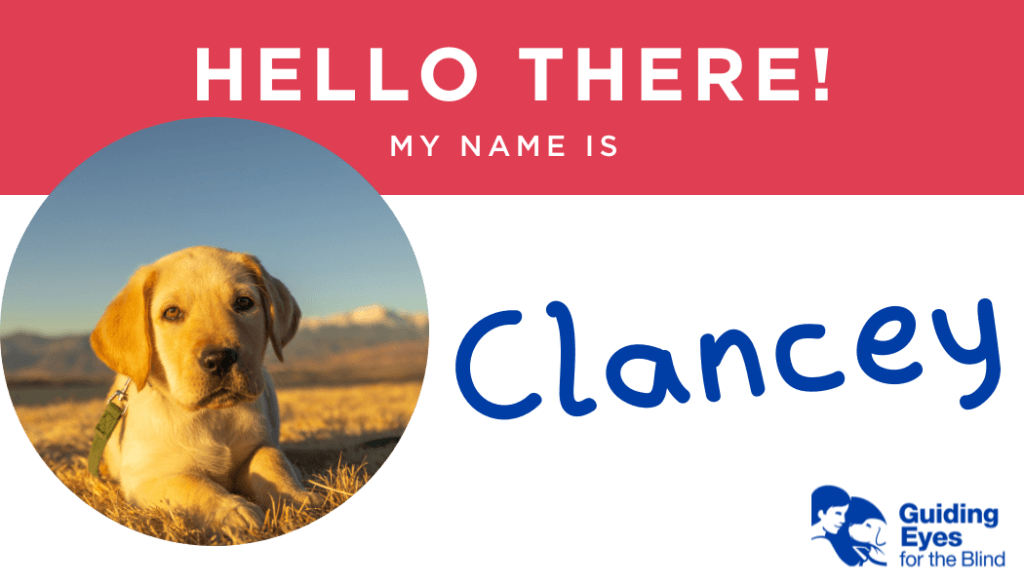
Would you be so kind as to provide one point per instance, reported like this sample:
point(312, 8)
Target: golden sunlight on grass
point(337, 438)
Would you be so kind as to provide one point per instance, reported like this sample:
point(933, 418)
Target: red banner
point(921, 97)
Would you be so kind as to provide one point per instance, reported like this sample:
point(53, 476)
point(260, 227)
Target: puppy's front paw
point(307, 499)
point(237, 514)
point(312, 500)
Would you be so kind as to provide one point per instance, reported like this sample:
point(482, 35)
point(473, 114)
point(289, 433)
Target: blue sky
point(312, 220)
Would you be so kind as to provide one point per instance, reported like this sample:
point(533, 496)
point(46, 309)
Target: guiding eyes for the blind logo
point(853, 527)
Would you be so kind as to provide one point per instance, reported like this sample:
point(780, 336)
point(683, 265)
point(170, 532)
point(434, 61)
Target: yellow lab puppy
point(202, 423)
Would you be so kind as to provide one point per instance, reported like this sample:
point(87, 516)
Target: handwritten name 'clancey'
point(713, 350)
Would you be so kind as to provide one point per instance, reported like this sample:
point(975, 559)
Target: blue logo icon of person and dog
point(854, 527)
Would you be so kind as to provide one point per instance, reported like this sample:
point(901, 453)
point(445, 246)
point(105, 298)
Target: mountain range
point(368, 344)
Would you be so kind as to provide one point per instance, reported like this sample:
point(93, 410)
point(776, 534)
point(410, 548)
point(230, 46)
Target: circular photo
point(214, 331)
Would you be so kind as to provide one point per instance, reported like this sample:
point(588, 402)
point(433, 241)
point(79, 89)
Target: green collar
point(105, 428)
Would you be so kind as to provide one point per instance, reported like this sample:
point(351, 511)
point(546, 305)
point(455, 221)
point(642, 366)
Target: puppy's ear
point(281, 312)
point(123, 338)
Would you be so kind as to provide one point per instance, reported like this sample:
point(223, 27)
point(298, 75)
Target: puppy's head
point(195, 324)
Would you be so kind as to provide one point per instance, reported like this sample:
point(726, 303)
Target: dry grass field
point(337, 437)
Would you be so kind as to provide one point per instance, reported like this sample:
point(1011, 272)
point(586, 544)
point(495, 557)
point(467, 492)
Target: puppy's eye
point(243, 304)
point(172, 313)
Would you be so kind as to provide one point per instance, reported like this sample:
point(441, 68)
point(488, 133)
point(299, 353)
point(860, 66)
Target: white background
point(717, 491)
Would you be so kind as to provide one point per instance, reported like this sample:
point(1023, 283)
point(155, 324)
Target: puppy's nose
point(218, 360)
